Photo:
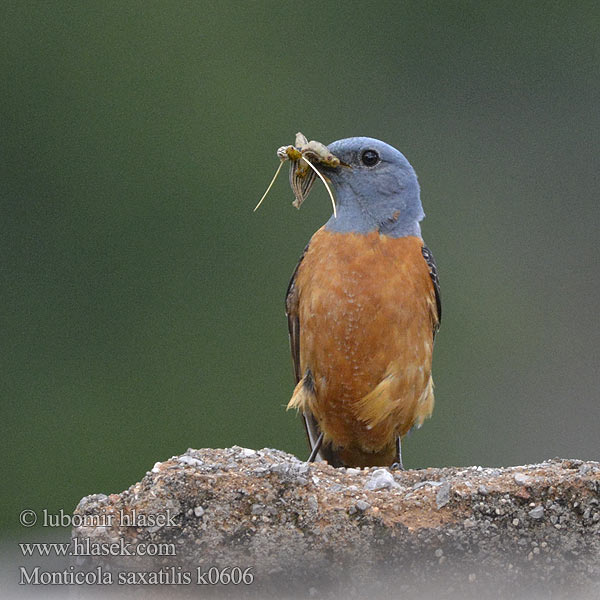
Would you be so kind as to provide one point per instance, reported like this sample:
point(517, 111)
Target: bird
point(363, 309)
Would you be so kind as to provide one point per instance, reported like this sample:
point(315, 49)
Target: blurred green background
point(142, 300)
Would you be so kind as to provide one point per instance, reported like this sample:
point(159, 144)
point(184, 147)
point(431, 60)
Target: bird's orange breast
point(366, 307)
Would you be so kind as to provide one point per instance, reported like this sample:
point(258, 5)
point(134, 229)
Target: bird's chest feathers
point(345, 275)
point(357, 292)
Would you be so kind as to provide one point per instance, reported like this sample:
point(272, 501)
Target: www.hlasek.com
point(86, 547)
point(164, 576)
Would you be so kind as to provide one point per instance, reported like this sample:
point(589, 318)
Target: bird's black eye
point(369, 158)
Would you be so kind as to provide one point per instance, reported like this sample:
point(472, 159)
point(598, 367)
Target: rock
point(521, 479)
point(381, 479)
point(247, 452)
point(537, 512)
point(362, 505)
point(306, 529)
point(257, 509)
point(185, 459)
point(443, 495)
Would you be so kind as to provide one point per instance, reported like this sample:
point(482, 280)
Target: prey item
point(303, 156)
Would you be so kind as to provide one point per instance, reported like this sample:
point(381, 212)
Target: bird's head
point(376, 189)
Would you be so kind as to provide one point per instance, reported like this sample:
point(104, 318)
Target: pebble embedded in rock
point(381, 479)
point(189, 460)
point(247, 452)
point(521, 479)
point(280, 468)
point(537, 512)
point(443, 495)
point(362, 505)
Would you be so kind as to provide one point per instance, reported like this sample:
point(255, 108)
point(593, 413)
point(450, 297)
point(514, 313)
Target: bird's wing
point(292, 312)
point(433, 272)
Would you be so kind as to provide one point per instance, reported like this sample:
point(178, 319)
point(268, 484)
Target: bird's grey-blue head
point(376, 189)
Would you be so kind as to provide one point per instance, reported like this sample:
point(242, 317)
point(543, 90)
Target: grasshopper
point(303, 173)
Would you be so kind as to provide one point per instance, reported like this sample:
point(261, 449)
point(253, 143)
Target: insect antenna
point(324, 183)
point(270, 186)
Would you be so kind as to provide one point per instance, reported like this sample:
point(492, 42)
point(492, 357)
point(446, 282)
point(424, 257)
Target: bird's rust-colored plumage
point(363, 311)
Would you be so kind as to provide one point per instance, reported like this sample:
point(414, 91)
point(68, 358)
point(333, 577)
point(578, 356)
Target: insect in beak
point(303, 172)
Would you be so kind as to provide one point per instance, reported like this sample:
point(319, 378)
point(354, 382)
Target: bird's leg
point(398, 466)
point(316, 449)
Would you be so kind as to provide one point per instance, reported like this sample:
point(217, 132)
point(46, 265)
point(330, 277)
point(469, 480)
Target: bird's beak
point(325, 169)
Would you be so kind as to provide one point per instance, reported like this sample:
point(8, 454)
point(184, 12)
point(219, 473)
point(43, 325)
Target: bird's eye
point(369, 158)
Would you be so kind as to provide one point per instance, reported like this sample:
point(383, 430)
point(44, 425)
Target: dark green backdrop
point(142, 300)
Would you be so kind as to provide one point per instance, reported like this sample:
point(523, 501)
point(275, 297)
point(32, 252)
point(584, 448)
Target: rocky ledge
point(293, 529)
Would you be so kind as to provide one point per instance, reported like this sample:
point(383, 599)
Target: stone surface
point(309, 529)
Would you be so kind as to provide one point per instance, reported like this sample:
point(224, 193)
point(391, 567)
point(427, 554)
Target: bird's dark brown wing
point(433, 272)
point(291, 310)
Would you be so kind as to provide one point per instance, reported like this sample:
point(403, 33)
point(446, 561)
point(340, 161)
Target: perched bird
point(363, 308)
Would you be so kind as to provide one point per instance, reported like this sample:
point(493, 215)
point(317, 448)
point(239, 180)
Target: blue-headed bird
point(363, 309)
